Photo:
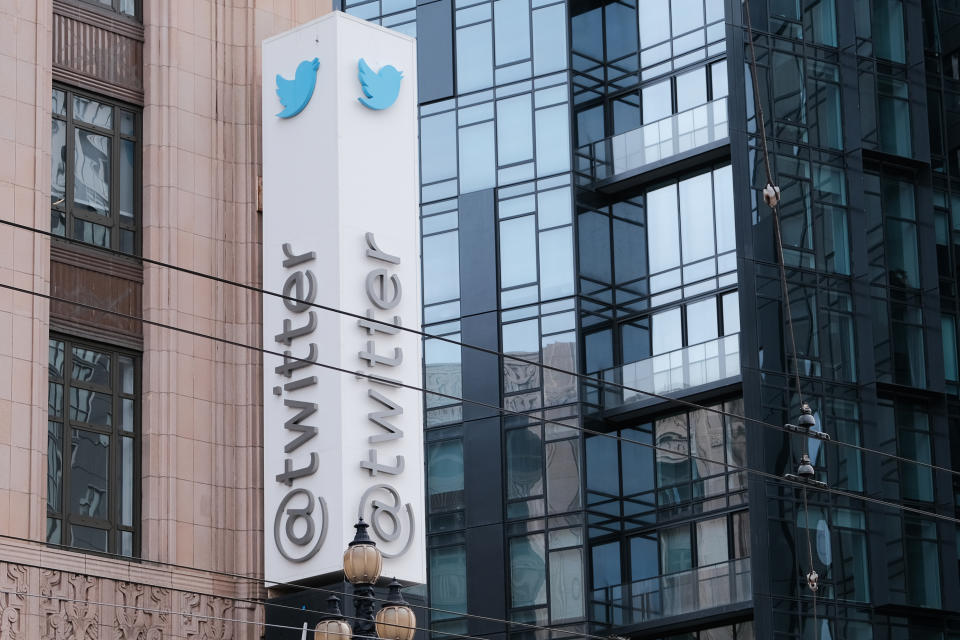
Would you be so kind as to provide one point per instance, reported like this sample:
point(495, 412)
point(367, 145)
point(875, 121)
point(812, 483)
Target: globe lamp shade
point(396, 622)
point(332, 630)
point(362, 560)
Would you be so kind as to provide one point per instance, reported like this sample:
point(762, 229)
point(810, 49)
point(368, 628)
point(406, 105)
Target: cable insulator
point(771, 195)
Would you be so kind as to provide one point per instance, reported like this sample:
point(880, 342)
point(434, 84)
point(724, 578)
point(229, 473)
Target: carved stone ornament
point(141, 612)
point(207, 617)
point(68, 606)
point(13, 586)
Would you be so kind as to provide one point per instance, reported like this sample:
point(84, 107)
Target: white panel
point(333, 174)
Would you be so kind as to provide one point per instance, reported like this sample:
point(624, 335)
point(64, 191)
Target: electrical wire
point(486, 405)
point(680, 402)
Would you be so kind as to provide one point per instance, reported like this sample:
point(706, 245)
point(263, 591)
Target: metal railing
point(675, 594)
point(659, 140)
point(692, 366)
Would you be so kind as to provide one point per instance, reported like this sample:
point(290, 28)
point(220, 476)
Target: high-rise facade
point(590, 182)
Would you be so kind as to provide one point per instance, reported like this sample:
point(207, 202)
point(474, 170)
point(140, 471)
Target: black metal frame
point(114, 432)
point(65, 206)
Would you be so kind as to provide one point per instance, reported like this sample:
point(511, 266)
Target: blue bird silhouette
point(295, 94)
point(380, 90)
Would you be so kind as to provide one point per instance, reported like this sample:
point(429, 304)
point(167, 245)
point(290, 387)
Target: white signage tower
point(340, 231)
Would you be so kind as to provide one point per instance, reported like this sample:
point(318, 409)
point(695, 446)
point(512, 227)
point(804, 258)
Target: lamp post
point(362, 563)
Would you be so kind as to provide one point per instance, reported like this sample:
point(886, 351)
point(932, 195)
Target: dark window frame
point(66, 205)
point(114, 8)
point(62, 511)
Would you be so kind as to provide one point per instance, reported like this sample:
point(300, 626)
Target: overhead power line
point(486, 405)
point(680, 402)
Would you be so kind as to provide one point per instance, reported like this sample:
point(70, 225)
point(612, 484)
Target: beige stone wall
point(201, 427)
point(25, 84)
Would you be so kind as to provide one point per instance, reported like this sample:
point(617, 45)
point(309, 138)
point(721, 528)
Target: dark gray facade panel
point(483, 473)
point(435, 51)
point(486, 578)
point(478, 252)
point(481, 379)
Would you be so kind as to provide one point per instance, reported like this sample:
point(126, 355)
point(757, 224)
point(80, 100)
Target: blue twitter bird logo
point(295, 94)
point(380, 90)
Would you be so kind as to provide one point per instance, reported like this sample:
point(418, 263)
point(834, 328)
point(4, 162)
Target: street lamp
point(362, 563)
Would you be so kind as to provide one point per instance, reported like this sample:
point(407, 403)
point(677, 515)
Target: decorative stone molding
point(147, 617)
point(203, 617)
point(67, 606)
point(13, 587)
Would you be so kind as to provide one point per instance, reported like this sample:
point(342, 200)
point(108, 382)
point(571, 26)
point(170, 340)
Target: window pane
point(673, 462)
point(712, 542)
point(731, 313)
point(718, 80)
point(92, 112)
point(441, 267)
point(524, 463)
point(563, 476)
point(948, 331)
point(54, 467)
point(691, 89)
point(635, 341)
point(126, 121)
point(706, 436)
point(553, 140)
point(654, 22)
point(702, 321)
point(126, 543)
point(59, 103)
point(675, 550)
point(603, 467)
point(686, 15)
point(566, 585)
point(448, 581)
point(127, 184)
point(696, 218)
point(88, 538)
point(514, 129)
point(91, 366)
point(663, 229)
point(549, 39)
point(58, 162)
point(667, 331)
point(442, 361)
point(55, 399)
point(888, 32)
point(528, 576)
point(89, 474)
point(445, 475)
point(477, 157)
point(127, 482)
point(511, 21)
point(126, 374)
point(93, 407)
point(644, 562)
point(56, 358)
point(54, 531)
point(475, 58)
point(657, 101)
point(606, 565)
point(723, 209)
point(518, 252)
point(91, 167)
point(438, 147)
point(556, 263)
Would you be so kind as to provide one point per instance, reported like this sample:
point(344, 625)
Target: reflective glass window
point(514, 129)
point(654, 22)
point(889, 41)
point(657, 101)
point(474, 57)
point(702, 321)
point(712, 545)
point(478, 166)
point(518, 251)
point(676, 550)
point(438, 147)
point(92, 458)
point(549, 39)
point(664, 232)
point(553, 140)
point(95, 171)
point(922, 556)
point(445, 475)
point(448, 581)
point(556, 263)
point(528, 571)
point(441, 267)
point(524, 463)
point(668, 331)
point(691, 89)
point(696, 218)
point(511, 22)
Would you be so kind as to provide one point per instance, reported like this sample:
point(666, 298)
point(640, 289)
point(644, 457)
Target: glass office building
point(590, 176)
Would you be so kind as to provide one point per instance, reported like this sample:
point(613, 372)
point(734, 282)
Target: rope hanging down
point(771, 196)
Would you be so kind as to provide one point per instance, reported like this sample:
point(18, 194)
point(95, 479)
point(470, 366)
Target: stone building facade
point(130, 482)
